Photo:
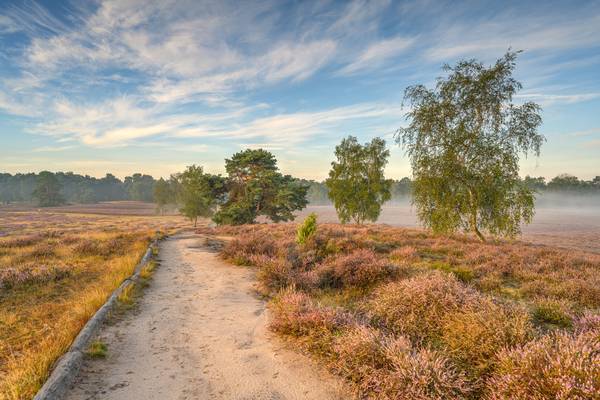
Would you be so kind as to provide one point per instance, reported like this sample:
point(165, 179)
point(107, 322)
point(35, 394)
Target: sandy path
point(199, 333)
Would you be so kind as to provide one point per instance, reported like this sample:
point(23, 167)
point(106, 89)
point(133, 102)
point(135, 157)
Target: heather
point(402, 313)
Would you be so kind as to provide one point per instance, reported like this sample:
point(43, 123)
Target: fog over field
point(563, 220)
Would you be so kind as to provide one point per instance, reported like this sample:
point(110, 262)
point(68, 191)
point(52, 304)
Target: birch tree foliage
point(464, 140)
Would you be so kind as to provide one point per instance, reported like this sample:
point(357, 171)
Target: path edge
point(67, 365)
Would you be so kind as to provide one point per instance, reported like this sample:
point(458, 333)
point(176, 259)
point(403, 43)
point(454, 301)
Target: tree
point(139, 187)
point(536, 184)
point(464, 140)
point(256, 187)
point(198, 193)
point(47, 190)
point(162, 195)
point(356, 182)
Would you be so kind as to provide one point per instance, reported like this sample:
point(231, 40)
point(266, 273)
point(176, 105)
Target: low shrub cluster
point(11, 277)
point(557, 366)
point(404, 314)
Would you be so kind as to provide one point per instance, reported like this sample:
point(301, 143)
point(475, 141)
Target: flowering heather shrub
point(404, 254)
point(588, 321)
point(240, 249)
point(557, 366)
point(415, 307)
point(22, 241)
point(295, 314)
point(389, 368)
point(273, 273)
point(359, 353)
point(32, 274)
point(421, 375)
point(360, 268)
point(42, 250)
point(476, 333)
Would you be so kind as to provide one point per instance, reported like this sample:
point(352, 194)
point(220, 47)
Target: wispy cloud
point(551, 99)
point(7, 25)
point(377, 53)
point(587, 132)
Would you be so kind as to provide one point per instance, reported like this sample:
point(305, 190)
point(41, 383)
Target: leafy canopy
point(464, 140)
point(198, 192)
point(48, 190)
point(356, 182)
point(256, 187)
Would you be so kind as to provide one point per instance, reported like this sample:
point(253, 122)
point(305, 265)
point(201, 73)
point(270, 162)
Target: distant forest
point(75, 188)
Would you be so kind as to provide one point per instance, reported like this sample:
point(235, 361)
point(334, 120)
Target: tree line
point(52, 189)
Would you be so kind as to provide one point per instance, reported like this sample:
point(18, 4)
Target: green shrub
point(553, 312)
point(307, 230)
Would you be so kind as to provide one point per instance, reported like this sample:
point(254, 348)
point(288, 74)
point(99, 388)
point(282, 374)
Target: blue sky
point(124, 86)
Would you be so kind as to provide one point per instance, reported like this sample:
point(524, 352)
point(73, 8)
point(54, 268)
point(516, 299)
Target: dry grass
point(401, 313)
point(56, 270)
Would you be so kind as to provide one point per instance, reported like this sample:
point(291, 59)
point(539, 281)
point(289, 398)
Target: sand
point(199, 332)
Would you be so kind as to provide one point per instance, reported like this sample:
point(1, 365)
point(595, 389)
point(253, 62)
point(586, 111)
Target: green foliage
point(464, 140)
point(552, 312)
point(199, 192)
point(256, 187)
point(47, 190)
point(356, 182)
point(307, 230)
point(139, 187)
point(162, 195)
point(97, 349)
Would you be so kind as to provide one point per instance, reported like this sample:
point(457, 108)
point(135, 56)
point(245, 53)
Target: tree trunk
point(474, 227)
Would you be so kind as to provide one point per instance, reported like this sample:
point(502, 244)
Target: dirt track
point(199, 333)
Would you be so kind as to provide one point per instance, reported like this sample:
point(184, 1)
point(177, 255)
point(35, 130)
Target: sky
point(130, 86)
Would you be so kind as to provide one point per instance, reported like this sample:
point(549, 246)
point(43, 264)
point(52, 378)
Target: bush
point(389, 368)
point(549, 311)
point(361, 268)
point(422, 375)
point(273, 273)
point(415, 307)
point(295, 314)
point(474, 335)
point(557, 366)
point(240, 250)
point(307, 230)
point(43, 250)
point(587, 322)
point(11, 277)
point(359, 354)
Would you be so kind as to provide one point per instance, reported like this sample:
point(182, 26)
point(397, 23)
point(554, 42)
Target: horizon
point(109, 86)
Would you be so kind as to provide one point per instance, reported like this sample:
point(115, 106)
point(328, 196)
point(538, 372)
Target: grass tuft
point(97, 349)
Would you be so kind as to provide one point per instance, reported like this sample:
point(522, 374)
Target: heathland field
point(57, 266)
point(405, 314)
point(396, 312)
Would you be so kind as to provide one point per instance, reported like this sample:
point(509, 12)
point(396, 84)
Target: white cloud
point(587, 132)
point(489, 38)
point(377, 53)
point(7, 25)
point(545, 99)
